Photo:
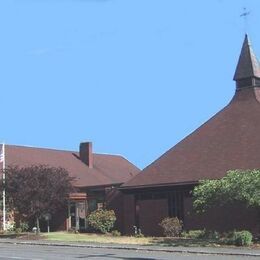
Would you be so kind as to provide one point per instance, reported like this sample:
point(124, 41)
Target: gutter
point(137, 187)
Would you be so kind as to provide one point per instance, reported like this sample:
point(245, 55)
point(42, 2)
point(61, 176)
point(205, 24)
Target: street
point(36, 252)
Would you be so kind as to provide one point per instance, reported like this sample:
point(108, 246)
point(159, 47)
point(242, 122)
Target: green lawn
point(99, 238)
point(96, 238)
point(161, 241)
point(130, 240)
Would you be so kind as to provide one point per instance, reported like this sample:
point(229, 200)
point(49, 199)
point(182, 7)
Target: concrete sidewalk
point(233, 251)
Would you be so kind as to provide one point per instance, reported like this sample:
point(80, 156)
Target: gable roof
point(107, 169)
point(229, 140)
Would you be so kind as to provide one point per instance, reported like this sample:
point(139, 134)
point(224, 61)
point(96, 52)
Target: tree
point(37, 190)
point(236, 186)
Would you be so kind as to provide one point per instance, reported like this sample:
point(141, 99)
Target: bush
point(115, 233)
point(138, 232)
point(139, 235)
point(240, 238)
point(212, 235)
point(102, 220)
point(172, 227)
point(194, 234)
point(200, 233)
point(24, 226)
point(18, 230)
point(10, 226)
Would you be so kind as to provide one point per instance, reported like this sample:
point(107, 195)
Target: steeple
point(248, 68)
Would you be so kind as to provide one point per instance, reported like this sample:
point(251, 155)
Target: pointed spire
point(248, 68)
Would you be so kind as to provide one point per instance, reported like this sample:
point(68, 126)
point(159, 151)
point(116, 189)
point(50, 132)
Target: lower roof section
point(107, 169)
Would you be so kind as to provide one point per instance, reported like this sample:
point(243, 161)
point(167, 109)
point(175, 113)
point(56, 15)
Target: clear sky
point(132, 76)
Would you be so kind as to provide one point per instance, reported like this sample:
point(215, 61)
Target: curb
point(149, 249)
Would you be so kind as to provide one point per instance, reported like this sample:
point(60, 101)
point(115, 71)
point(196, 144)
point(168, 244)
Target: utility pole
point(2, 160)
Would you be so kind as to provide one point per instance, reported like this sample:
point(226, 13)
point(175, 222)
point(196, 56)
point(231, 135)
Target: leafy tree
point(36, 190)
point(236, 186)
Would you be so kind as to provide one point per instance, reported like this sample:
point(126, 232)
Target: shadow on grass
point(23, 236)
point(8, 235)
point(185, 242)
point(199, 242)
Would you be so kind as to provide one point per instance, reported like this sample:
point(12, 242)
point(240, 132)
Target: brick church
point(229, 140)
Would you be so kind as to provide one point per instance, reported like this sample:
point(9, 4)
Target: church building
point(229, 140)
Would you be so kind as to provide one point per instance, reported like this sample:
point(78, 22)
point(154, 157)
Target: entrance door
point(77, 215)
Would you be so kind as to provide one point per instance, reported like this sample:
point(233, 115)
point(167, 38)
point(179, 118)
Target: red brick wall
point(114, 201)
point(151, 214)
point(128, 214)
point(222, 218)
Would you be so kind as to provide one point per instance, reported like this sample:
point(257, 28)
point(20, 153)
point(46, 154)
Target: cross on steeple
point(245, 15)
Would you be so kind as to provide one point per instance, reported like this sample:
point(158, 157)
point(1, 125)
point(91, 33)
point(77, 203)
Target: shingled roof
point(229, 140)
point(248, 64)
point(106, 170)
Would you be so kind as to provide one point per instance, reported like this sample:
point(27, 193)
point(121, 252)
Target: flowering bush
point(10, 226)
point(172, 227)
point(102, 220)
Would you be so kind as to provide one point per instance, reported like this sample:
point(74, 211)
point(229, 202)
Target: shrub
point(24, 226)
point(194, 234)
point(172, 227)
point(200, 233)
point(212, 235)
point(138, 232)
point(185, 234)
point(10, 226)
point(240, 238)
point(102, 220)
point(18, 230)
point(115, 233)
point(139, 235)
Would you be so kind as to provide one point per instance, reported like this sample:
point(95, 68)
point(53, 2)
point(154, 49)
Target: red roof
point(229, 140)
point(107, 169)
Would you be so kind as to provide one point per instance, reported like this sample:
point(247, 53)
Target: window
point(175, 203)
point(92, 205)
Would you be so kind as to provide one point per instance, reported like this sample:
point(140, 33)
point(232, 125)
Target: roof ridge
point(40, 148)
point(60, 150)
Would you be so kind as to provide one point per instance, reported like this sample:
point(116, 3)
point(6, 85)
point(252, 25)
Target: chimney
point(85, 153)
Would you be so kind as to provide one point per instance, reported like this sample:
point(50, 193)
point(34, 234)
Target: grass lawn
point(130, 240)
point(96, 238)
point(149, 241)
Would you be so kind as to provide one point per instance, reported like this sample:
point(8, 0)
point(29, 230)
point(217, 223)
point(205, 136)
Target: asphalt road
point(35, 252)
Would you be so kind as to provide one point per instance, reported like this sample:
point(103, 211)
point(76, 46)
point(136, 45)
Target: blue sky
point(132, 76)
